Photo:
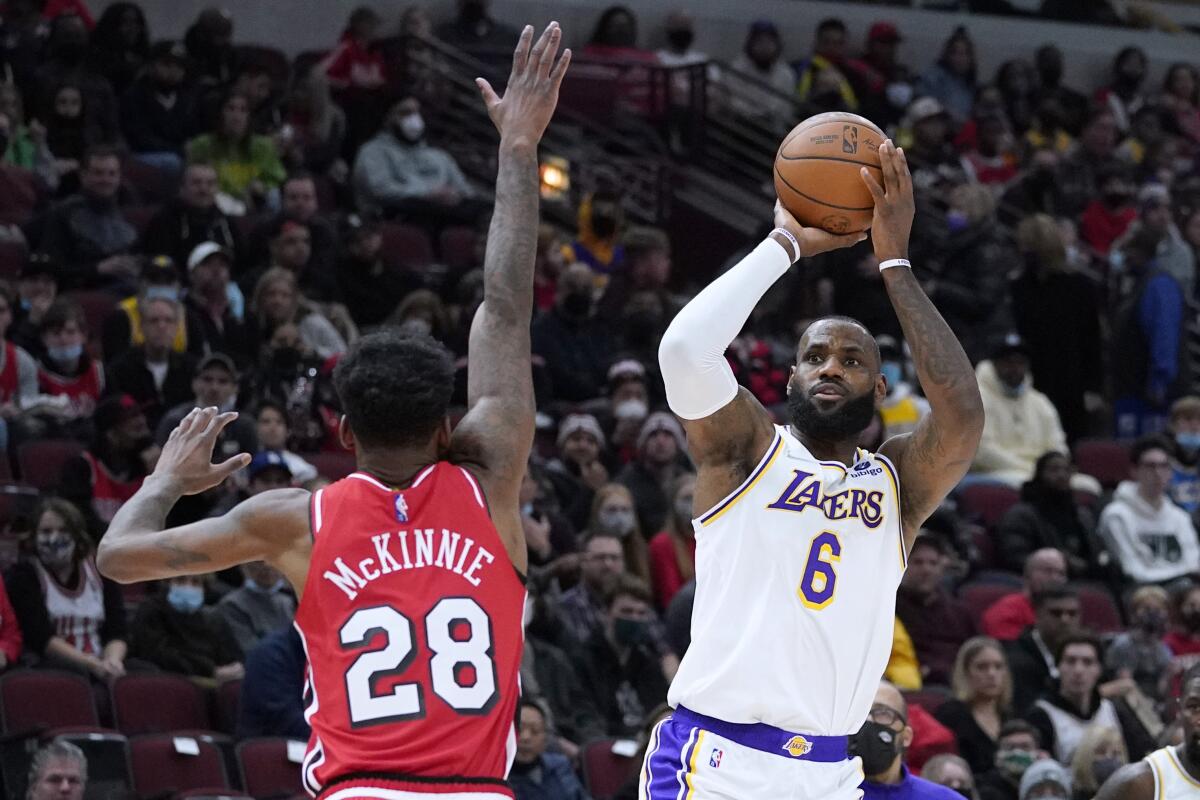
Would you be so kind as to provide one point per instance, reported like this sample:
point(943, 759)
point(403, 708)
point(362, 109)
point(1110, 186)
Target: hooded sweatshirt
point(1017, 430)
point(1151, 544)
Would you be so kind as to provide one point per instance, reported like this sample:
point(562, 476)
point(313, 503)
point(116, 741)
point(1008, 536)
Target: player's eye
point(814, 359)
point(851, 362)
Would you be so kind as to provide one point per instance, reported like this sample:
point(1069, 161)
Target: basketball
point(817, 171)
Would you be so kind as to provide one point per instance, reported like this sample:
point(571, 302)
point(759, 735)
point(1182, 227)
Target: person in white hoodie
point(1148, 536)
point(1020, 423)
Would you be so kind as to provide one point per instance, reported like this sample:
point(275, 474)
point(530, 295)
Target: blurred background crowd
point(190, 218)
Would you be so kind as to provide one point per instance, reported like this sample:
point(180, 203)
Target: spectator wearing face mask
point(628, 406)
point(125, 327)
point(661, 460)
point(951, 771)
point(574, 344)
point(176, 632)
point(1046, 780)
point(1172, 254)
point(600, 228)
point(69, 615)
point(882, 743)
point(1150, 538)
point(399, 171)
point(260, 606)
point(623, 671)
point(761, 59)
point(1184, 430)
point(70, 380)
point(1017, 747)
point(1100, 754)
point(1140, 653)
point(903, 408)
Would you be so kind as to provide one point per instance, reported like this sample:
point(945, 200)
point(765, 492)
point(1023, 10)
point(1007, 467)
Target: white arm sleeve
point(691, 356)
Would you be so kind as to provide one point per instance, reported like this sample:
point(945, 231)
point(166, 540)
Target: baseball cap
point(112, 411)
point(1044, 771)
point(924, 108)
point(1154, 194)
point(884, 32)
point(206, 250)
point(1010, 343)
point(357, 224)
point(268, 459)
point(217, 360)
point(574, 423)
point(168, 51)
point(624, 370)
point(39, 264)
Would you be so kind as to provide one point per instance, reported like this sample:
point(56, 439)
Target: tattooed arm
point(934, 457)
point(272, 526)
point(496, 435)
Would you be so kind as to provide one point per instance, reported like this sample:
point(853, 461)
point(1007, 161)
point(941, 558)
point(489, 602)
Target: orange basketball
point(817, 171)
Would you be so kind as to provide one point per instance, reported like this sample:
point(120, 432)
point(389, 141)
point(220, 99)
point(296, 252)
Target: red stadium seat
point(1098, 610)
point(591, 90)
point(41, 462)
point(406, 245)
point(605, 772)
point(457, 245)
point(987, 501)
point(929, 698)
point(150, 184)
point(210, 794)
point(12, 258)
point(157, 703)
point(139, 217)
point(333, 466)
point(979, 597)
point(42, 699)
point(1106, 460)
point(96, 304)
point(159, 768)
point(229, 697)
point(266, 769)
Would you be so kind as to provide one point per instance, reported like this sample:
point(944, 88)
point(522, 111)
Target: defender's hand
point(186, 459)
point(894, 204)
point(531, 96)
point(813, 241)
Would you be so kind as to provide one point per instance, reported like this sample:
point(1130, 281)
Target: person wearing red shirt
point(673, 549)
point(354, 63)
point(1107, 217)
point(10, 632)
point(1013, 613)
point(1184, 640)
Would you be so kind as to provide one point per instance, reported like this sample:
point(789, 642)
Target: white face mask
point(412, 126)
point(632, 408)
point(899, 94)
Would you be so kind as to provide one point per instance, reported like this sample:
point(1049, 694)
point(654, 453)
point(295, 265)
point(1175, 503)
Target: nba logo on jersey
point(714, 760)
point(798, 746)
point(401, 509)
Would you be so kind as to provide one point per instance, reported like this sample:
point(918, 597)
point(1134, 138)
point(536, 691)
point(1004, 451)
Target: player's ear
point(791, 375)
point(906, 737)
point(443, 435)
point(345, 435)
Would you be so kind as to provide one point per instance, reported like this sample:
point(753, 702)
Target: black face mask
point(604, 227)
point(680, 40)
point(1115, 199)
point(876, 745)
point(473, 11)
point(286, 358)
point(849, 420)
point(641, 326)
point(577, 304)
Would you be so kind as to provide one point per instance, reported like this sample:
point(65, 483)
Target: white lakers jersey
point(1171, 781)
point(796, 577)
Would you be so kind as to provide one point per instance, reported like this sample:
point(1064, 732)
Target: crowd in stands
point(182, 224)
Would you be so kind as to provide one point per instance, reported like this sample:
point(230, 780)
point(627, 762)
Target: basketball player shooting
point(409, 571)
point(801, 537)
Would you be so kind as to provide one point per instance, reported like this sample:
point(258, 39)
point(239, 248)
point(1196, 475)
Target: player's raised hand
point(186, 459)
point(531, 96)
point(813, 241)
point(894, 204)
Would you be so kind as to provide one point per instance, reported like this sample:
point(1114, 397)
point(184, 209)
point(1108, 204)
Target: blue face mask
point(255, 586)
point(1188, 441)
point(957, 221)
point(170, 293)
point(66, 354)
point(185, 599)
point(892, 372)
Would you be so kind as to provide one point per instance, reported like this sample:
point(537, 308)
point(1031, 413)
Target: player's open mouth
point(827, 391)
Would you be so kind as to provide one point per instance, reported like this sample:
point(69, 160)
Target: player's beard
point(846, 421)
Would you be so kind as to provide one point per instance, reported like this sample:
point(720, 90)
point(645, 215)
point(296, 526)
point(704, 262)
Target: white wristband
point(795, 244)
point(894, 262)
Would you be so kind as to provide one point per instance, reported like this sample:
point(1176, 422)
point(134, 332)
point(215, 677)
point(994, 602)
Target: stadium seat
point(929, 698)
point(406, 245)
point(210, 794)
point(139, 217)
point(604, 772)
point(157, 703)
point(41, 462)
point(1106, 460)
point(12, 258)
point(32, 701)
point(150, 184)
point(978, 597)
point(266, 770)
point(160, 769)
point(229, 696)
point(333, 466)
point(457, 245)
point(1098, 611)
point(96, 304)
point(987, 502)
point(107, 755)
point(591, 90)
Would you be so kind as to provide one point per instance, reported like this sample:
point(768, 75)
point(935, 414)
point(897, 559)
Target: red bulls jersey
point(411, 621)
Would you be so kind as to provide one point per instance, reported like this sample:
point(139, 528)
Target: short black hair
point(830, 24)
point(61, 312)
point(1079, 637)
point(395, 388)
point(274, 405)
point(1049, 595)
point(96, 151)
point(873, 345)
point(1145, 445)
point(627, 585)
point(1020, 726)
